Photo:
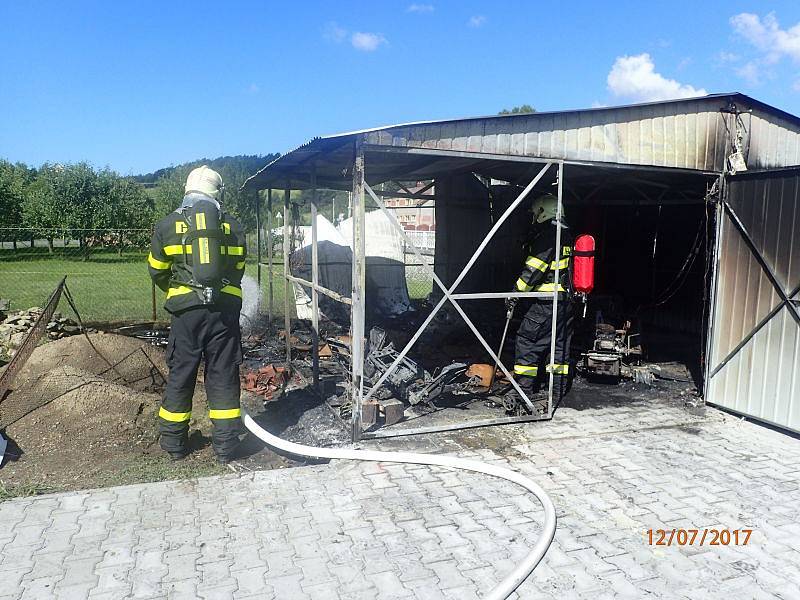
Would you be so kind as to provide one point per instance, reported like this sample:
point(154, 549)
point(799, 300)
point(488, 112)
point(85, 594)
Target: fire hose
point(512, 581)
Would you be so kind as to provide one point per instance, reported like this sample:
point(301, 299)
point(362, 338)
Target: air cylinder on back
point(205, 231)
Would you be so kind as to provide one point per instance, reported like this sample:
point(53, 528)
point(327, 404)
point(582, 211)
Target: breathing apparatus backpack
point(204, 233)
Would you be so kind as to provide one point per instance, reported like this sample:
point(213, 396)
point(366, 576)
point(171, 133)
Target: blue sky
point(138, 86)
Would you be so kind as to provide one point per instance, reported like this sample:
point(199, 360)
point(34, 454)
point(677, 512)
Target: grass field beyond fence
point(114, 287)
point(108, 287)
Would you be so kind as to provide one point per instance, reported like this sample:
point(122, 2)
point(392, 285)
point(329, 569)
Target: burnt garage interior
point(652, 230)
point(646, 181)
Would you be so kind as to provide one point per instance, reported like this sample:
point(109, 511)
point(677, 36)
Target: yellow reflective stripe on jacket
point(522, 286)
point(550, 287)
point(176, 249)
point(536, 263)
point(202, 248)
point(232, 290)
point(561, 264)
point(227, 413)
point(526, 370)
point(173, 416)
point(200, 220)
point(240, 265)
point(558, 369)
point(226, 228)
point(181, 227)
point(160, 265)
point(178, 291)
point(230, 250)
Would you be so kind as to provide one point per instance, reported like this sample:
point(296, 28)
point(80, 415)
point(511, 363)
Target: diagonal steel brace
point(449, 291)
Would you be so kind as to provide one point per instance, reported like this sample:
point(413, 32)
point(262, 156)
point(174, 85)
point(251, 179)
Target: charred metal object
point(409, 382)
point(615, 353)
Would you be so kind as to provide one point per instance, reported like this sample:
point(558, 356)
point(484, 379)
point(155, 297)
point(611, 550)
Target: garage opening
point(653, 233)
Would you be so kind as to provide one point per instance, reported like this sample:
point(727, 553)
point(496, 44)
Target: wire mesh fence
point(107, 270)
point(418, 277)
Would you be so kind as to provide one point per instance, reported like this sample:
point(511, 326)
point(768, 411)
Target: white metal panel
point(762, 380)
point(755, 345)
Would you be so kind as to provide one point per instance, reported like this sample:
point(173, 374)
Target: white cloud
point(727, 57)
point(767, 36)
point(750, 72)
point(367, 42)
point(635, 78)
point(476, 21)
point(334, 33)
point(420, 8)
point(360, 40)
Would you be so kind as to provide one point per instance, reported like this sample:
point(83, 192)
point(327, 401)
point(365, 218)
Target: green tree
point(45, 209)
point(125, 208)
point(14, 179)
point(518, 110)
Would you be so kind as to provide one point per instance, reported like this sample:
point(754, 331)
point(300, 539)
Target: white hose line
point(512, 581)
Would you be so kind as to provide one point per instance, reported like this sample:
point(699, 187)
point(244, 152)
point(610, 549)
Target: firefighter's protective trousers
point(544, 260)
point(533, 347)
point(212, 335)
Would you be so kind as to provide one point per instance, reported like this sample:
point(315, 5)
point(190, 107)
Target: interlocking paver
point(369, 530)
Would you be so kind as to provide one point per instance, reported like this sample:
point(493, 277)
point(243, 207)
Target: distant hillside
point(242, 163)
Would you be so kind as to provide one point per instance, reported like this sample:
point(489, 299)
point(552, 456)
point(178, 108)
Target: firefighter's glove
point(511, 304)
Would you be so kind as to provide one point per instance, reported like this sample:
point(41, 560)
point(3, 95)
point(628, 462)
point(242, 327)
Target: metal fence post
point(269, 254)
point(153, 288)
point(359, 281)
point(258, 239)
point(287, 321)
point(314, 280)
point(556, 279)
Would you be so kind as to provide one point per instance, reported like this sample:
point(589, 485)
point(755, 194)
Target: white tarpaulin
point(387, 290)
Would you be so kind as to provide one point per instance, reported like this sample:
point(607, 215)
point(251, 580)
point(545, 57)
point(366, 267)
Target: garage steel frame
point(357, 302)
point(360, 398)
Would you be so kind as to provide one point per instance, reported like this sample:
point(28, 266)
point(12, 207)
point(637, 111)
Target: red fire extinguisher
point(583, 267)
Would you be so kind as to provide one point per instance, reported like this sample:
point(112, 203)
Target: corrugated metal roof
point(686, 134)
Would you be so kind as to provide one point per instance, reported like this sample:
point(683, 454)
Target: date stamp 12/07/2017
point(698, 537)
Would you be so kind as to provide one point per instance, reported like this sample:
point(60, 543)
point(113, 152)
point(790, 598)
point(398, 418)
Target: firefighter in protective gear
point(204, 318)
point(535, 332)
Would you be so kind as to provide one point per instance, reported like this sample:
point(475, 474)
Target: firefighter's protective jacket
point(170, 263)
point(539, 272)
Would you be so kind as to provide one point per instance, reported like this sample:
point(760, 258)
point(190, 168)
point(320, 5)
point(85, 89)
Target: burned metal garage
point(692, 205)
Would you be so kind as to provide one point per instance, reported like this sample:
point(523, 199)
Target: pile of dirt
point(87, 411)
point(83, 411)
point(116, 358)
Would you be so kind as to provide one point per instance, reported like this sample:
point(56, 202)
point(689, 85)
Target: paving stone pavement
point(351, 530)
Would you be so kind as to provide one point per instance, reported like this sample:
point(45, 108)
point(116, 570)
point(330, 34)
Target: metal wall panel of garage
point(755, 337)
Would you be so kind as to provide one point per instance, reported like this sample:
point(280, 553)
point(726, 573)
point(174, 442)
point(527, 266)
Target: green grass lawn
point(109, 287)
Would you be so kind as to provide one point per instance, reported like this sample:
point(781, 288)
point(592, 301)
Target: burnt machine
point(615, 353)
point(409, 382)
